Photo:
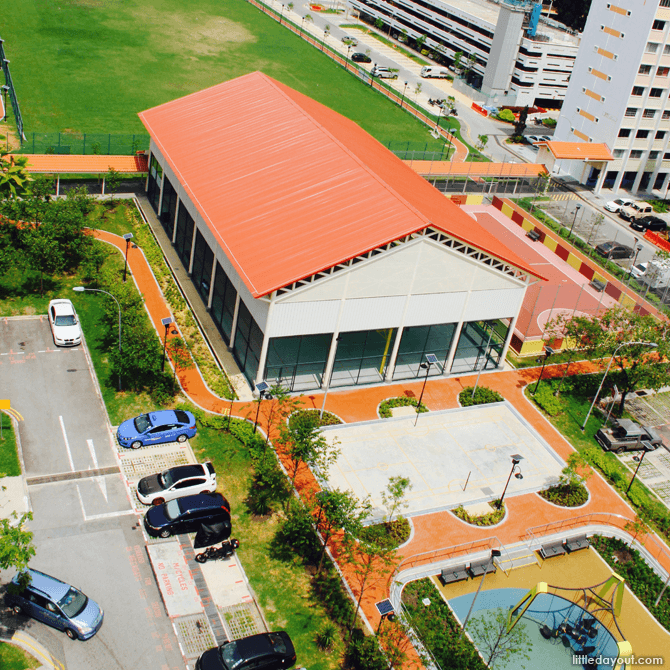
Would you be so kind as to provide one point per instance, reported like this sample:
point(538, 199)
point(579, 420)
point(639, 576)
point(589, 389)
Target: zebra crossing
point(564, 195)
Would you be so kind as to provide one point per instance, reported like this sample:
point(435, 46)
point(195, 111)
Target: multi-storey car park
point(618, 94)
point(522, 58)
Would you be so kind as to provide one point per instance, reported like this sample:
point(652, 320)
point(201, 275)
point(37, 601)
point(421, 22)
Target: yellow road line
point(23, 640)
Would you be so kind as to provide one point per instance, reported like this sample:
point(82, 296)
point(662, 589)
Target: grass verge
point(9, 459)
point(14, 658)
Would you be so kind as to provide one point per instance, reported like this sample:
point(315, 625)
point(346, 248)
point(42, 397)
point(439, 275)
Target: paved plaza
point(439, 454)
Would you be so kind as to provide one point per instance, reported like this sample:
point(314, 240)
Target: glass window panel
point(362, 357)
point(168, 207)
point(416, 342)
point(184, 238)
point(298, 363)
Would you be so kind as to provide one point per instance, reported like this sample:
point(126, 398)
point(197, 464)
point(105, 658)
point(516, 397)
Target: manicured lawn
point(91, 66)
point(9, 460)
point(13, 658)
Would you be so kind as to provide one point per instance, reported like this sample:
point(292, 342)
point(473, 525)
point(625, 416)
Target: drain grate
point(194, 635)
point(136, 467)
point(241, 620)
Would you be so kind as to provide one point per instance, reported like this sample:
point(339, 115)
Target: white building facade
point(515, 69)
point(618, 94)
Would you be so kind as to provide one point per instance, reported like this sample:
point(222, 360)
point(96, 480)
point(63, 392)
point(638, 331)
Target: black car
point(649, 223)
point(185, 515)
point(359, 57)
point(267, 651)
point(613, 249)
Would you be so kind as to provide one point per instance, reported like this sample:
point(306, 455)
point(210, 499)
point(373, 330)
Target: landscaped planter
point(385, 407)
point(496, 516)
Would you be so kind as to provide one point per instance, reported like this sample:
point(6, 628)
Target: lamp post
point(577, 208)
point(516, 459)
point(638, 249)
point(281, 14)
point(402, 100)
point(653, 345)
point(262, 387)
point(79, 289)
point(646, 447)
point(548, 351)
point(127, 237)
point(495, 553)
point(346, 62)
point(166, 322)
point(430, 360)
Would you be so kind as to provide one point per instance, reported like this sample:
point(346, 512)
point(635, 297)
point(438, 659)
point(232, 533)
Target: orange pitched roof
point(90, 164)
point(435, 168)
point(290, 188)
point(586, 151)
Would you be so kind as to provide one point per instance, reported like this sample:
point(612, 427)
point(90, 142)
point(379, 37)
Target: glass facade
point(362, 357)
point(168, 208)
point(203, 260)
point(154, 185)
point(297, 363)
point(416, 342)
point(248, 343)
point(184, 238)
point(223, 303)
point(479, 339)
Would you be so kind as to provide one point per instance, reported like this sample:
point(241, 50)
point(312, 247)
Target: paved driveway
point(85, 530)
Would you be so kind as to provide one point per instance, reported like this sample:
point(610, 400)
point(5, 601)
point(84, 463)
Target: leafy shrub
point(566, 495)
point(496, 516)
point(483, 395)
point(326, 637)
point(388, 534)
point(311, 417)
point(549, 123)
point(296, 536)
point(402, 401)
point(506, 115)
point(363, 653)
point(332, 596)
point(546, 399)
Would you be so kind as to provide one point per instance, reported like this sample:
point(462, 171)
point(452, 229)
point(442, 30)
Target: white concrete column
point(160, 197)
point(176, 218)
point(233, 328)
point(266, 340)
point(619, 178)
point(190, 260)
point(601, 179)
point(333, 342)
point(146, 181)
point(390, 368)
point(452, 348)
point(211, 285)
point(664, 185)
point(508, 339)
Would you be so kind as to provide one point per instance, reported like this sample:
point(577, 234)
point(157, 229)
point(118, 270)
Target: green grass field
point(90, 66)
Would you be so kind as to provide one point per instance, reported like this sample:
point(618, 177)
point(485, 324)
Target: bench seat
point(452, 575)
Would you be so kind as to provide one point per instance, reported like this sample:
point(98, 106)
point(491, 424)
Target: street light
point(166, 322)
point(346, 62)
point(516, 459)
point(79, 289)
point(647, 446)
point(638, 249)
point(577, 208)
point(403, 95)
point(548, 351)
point(282, 14)
point(262, 387)
point(495, 553)
point(127, 237)
point(431, 359)
point(653, 345)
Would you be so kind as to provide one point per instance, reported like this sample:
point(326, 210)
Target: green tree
point(458, 58)
point(42, 252)
point(635, 528)
point(379, 24)
point(498, 645)
point(482, 141)
point(16, 543)
point(471, 62)
point(113, 180)
point(506, 115)
point(420, 41)
point(394, 496)
point(277, 408)
point(14, 177)
point(520, 124)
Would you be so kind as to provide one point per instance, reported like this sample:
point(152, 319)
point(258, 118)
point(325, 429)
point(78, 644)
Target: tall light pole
point(577, 208)
point(516, 459)
point(646, 447)
point(402, 100)
point(653, 345)
point(127, 237)
point(638, 249)
point(79, 289)
point(548, 351)
point(262, 387)
point(166, 322)
point(431, 359)
point(495, 553)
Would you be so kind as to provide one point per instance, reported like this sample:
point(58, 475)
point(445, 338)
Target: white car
point(64, 323)
point(616, 205)
point(638, 270)
point(349, 40)
point(183, 480)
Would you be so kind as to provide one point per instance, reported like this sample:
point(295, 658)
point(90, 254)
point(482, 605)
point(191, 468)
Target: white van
point(434, 71)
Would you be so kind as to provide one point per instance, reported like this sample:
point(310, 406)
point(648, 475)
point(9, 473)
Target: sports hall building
point(322, 257)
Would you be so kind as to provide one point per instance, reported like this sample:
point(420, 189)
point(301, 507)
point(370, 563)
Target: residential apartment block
point(618, 94)
point(519, 61)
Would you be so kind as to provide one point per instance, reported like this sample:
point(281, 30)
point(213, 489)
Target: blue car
point(157, 427)
point(57, 604)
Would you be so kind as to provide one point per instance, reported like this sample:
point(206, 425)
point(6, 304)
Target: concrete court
point(438, 454)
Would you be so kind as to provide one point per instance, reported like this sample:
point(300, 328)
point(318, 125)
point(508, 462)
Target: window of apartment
point(666, 49)
point(644, 69)
point(658, 25)
point(652, 47)
point(618, 153)
point(666, 157)
point(631, 111)
point(660, 134)
point(642, 134)
point(662, 71)
point(636, 153)
point(653, 155)
point(638, 90)
point(656, 93)
point(649, 114)
point(665, 3)
point(624, 132)
point(666, 115)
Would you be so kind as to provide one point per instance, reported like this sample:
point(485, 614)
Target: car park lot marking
point(78, 474)
point(105, 515)
point(67, 443)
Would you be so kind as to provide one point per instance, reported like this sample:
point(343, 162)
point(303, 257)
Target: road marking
point(37, 650)
point(106, 515)
point(67, 444)
point(100, 481)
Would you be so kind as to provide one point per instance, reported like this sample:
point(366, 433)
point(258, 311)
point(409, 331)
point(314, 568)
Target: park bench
point(550, 550)
point(577, 543)
point(479, 569)
point(598, 285)
point(452, 575)
point(533, 234)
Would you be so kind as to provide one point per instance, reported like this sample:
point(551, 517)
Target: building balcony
point(647, 124)
point(621, 142)
point(640, 143)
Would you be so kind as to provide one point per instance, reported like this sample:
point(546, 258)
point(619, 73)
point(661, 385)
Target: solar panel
point(167, 321)
point(431, 358)
point(262, 387)
point(384, 607)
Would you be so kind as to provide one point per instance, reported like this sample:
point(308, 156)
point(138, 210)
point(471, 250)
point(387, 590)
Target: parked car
point(185, 515)
point(383, 72)
point(56, 604)
point(348, 39)
point(636, 210)
point(617, 204)
point(613, 249)
point(545, 138)
point(638, 270)
point(626, 435)
point(359, 57)
point(434, 71)
point(266, 651)
point(533, 138)
point(64, 323)
point(184, 480)
point(649, 223)
point(157, 427)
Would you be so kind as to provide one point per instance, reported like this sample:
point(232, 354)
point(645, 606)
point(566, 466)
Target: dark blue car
point(157, 427)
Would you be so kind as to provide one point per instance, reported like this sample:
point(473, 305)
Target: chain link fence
point(12, 92)
point(85, 143)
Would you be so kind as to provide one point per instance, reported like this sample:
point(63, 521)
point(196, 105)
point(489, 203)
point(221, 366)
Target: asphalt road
point(84, 528)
